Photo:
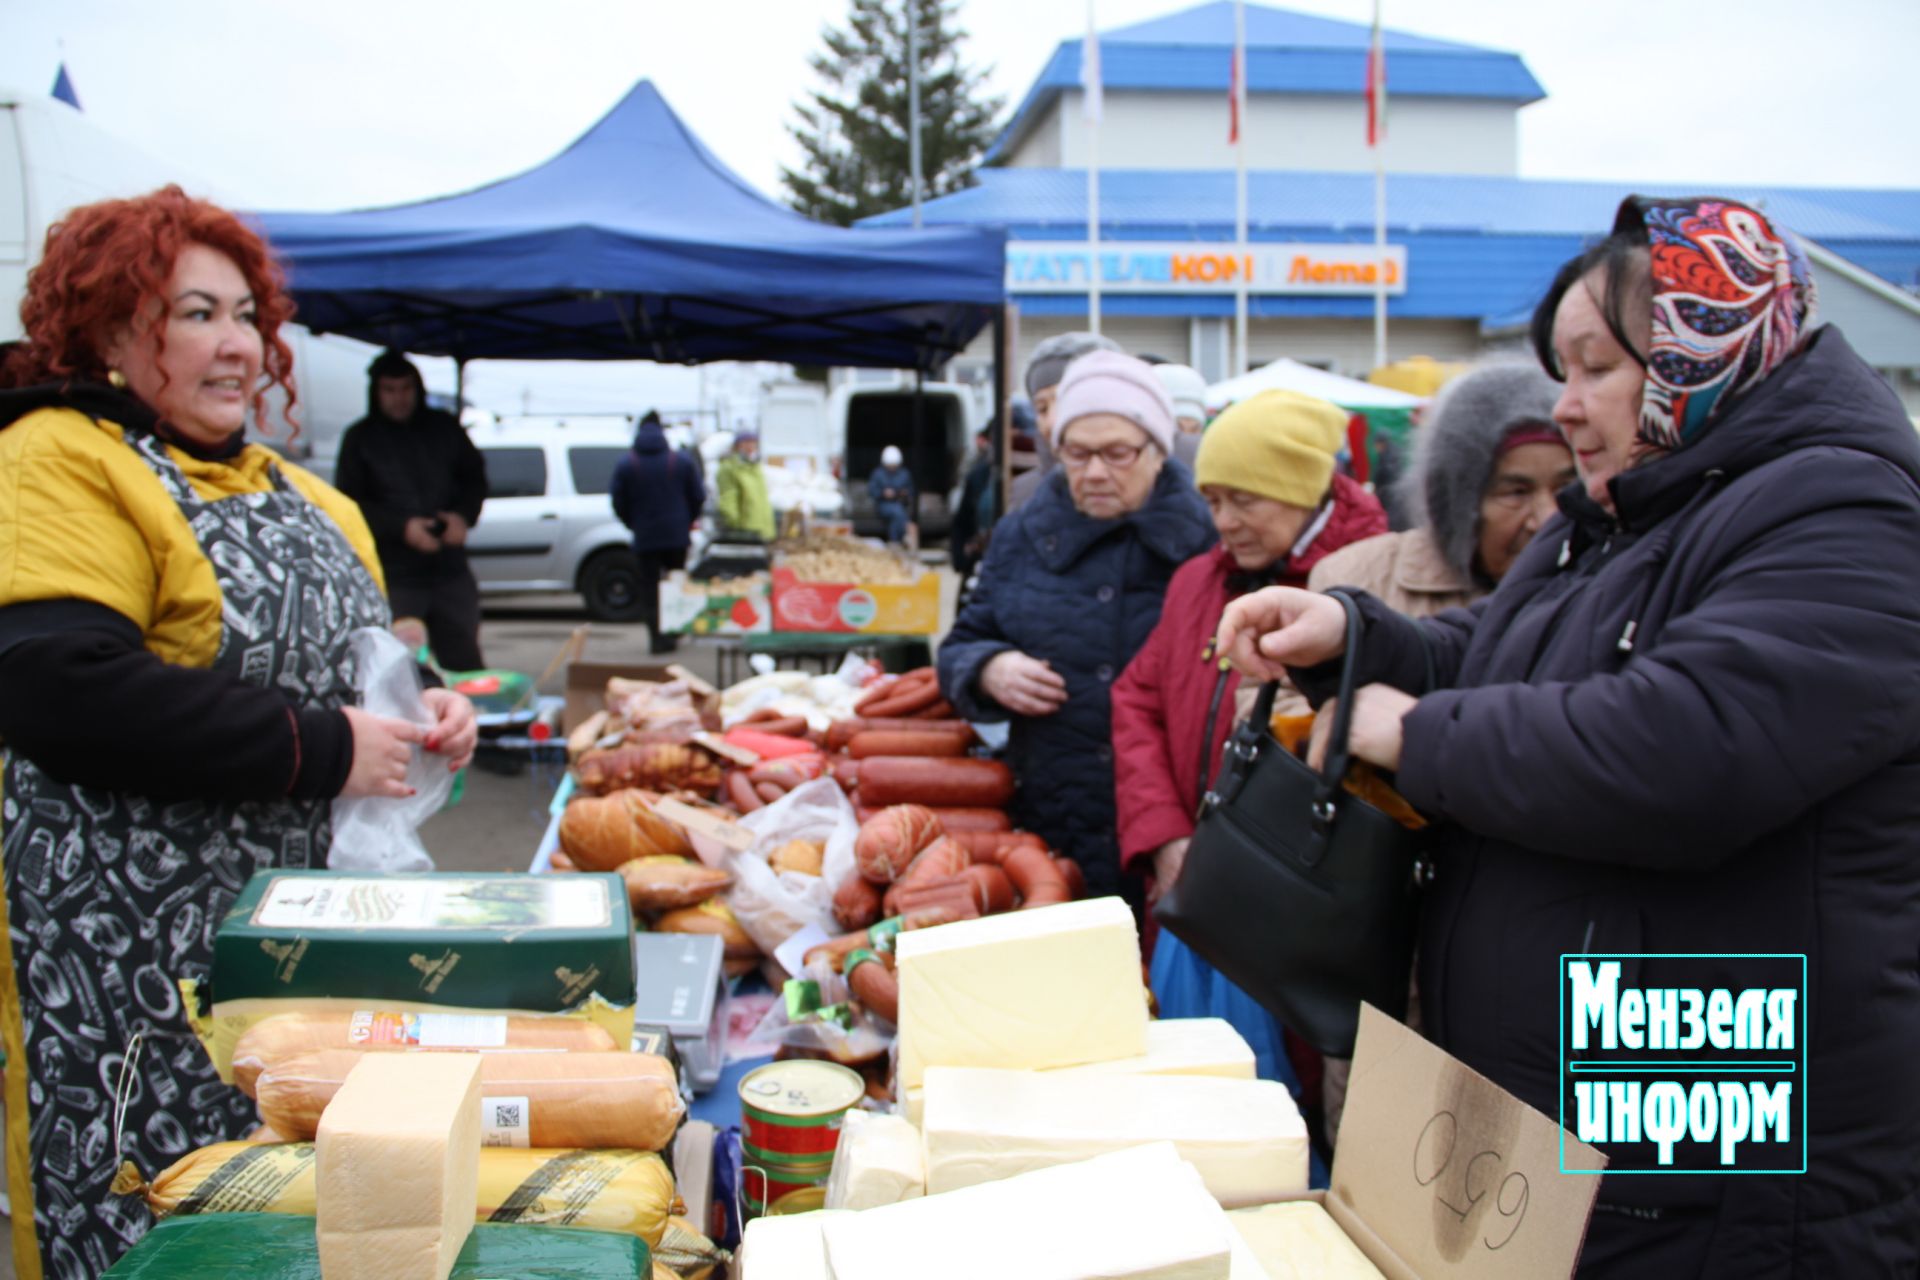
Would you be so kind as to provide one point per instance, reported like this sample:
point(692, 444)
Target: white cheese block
point(1182, 1047)
point(786, 1247)
point(877, 1161)
point(1245, 1137)
point(1299, 1241)
point(397, 1167)
point(1139, 1214)
point(1242, 1262)
point(1052, 987)
point(1175, 1046)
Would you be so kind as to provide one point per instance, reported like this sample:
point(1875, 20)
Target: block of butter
point(786, 1247)
point(1175, 1047)
point(877, 1161)
point(1245, 1137)
point(1181, 1047)
point(1052, 987)
point(397, 1167)
point(1299, 1241)
point(1138, 1214)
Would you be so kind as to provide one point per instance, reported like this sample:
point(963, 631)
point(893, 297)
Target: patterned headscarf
point(1732, 298)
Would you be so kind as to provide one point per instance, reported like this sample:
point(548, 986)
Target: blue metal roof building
point(1477, 242)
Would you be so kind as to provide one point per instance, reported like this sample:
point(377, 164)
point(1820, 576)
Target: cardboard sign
point(1443, 1175)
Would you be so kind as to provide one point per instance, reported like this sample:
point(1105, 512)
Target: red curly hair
point(107, 263)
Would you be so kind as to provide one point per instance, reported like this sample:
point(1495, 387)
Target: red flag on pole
point(1233, 98)
point(1376, 84)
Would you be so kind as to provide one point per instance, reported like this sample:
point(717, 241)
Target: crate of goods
point(839, 585)
point(717, 607)
point(306, 941)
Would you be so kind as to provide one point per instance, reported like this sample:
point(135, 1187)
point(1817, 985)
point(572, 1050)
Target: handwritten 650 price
point(1461, 1178)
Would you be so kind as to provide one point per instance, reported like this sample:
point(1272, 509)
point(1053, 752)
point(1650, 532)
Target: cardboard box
point(740, 607)
point(856, 607)
point(587, 687)
point(1443, 1175)
point(436, 940)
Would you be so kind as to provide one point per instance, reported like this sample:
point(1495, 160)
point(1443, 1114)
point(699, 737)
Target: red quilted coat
point(1160, 702)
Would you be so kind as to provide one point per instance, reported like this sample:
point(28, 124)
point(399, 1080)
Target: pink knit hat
point(1110, 382)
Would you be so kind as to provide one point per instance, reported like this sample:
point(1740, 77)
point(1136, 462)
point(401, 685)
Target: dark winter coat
point(1083, 594)
point(1161, 702)
point(1698, 730)
point(656, 492)
point(399, 470)
point(898, 479)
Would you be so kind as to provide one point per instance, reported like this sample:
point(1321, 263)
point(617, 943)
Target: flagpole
point(1240, 186)
point(1378, 55)
point(1094, 109)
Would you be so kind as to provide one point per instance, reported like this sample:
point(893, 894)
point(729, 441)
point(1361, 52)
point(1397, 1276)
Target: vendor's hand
point(1167, 860)
point(1265, 632)
point(1023, 685)
point(382, 751)
point(1375, 737)
point(454, 534)
point(455, 727)
point(419, 535)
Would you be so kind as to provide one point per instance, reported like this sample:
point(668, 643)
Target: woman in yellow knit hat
point(1266, 469)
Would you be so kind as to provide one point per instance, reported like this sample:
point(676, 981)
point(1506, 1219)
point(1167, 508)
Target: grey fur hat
point(1051, 358)
point(1459, 441)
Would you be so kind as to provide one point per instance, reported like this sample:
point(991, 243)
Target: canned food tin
point(762, 1186)
point(805, 1200)
point(792, 1110)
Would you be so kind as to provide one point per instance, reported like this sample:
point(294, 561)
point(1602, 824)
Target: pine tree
point(854, 129)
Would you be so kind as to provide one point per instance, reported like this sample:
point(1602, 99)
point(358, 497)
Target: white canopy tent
point(1291, 375)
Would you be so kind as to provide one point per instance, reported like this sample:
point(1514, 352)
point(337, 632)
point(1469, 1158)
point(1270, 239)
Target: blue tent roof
point(637, 243)
point(1478, 246)
point(1287, 52)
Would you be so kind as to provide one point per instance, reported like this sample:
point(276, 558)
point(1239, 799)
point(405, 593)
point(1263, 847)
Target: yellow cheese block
point(1053, 987)
point(1299, 1241)
point(877, 1161)
point(1139, 1214)
point(1245, 1137)
point(398, 1165)
point(1181, 1047)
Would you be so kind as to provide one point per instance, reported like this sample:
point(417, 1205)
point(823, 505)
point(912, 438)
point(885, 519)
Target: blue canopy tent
point(636, 243)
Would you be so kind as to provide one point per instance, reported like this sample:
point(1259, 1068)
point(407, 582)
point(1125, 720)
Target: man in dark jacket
point(420, 482)
point(1686, 725)
point(657, 493)
point(892, 490)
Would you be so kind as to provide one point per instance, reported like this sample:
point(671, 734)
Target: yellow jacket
point(84, 517)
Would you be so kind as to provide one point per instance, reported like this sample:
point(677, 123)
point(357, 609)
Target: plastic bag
point(774, 905)
point(381, 833)
point(834, 1027)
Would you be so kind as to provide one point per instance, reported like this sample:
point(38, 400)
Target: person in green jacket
point(744, 507)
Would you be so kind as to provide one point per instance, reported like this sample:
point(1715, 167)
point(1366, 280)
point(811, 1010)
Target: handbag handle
point(1338, 754)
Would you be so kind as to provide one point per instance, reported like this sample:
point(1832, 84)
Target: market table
point(822, 652)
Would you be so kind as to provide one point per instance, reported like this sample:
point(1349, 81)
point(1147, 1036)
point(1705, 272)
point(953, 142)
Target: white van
point(548, 522)
point(933, 440)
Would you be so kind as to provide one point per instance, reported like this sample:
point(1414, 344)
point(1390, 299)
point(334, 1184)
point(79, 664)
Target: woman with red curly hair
point(175, 608)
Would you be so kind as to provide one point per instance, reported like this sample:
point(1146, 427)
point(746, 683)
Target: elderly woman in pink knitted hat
point(1071, 587)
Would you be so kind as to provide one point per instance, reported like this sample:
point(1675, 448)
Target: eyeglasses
point(1118, 457)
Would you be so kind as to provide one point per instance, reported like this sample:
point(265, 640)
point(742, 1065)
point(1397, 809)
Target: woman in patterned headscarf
point(1685, 730)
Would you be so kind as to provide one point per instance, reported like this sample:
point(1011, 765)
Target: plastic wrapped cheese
point(1299, 1241)
point(1138, 1214)
point(1053, 987)
point(787, 1247)
point(878, 1161)
point(1245, 1137)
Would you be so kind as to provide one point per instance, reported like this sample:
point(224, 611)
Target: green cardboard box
point(468, 941)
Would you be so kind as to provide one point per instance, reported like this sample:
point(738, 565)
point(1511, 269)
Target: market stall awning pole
point(1240, 186)
point(1090, 92)
point(1001, 439)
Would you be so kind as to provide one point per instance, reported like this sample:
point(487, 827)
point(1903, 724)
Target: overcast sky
point(346, 103)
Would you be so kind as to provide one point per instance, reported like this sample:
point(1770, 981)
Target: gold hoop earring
point(116, 379)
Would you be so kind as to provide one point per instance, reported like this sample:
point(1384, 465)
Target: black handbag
point(1300, 893)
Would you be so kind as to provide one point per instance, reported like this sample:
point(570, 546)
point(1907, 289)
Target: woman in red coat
point(1266, 470)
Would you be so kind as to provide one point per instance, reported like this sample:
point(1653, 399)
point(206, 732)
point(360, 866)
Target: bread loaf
point(667, 883)
point(601, 833)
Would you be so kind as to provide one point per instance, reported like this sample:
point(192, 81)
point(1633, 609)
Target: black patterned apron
point(111, 898)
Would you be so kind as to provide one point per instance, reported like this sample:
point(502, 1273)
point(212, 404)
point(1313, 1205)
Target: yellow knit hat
point(1278, 444)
